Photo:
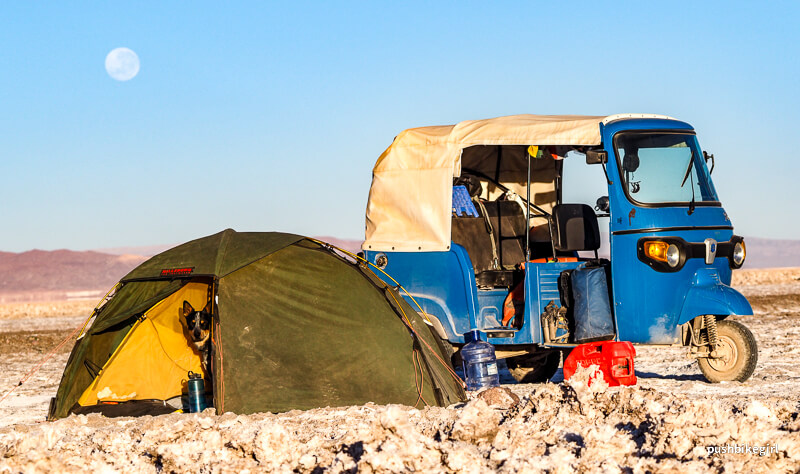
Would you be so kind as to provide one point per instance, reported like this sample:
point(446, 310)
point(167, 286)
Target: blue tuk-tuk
point(470, 220)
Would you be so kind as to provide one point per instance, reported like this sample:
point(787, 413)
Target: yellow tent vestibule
point(154, 359)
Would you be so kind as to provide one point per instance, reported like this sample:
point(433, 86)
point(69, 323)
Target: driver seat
point(575, 228)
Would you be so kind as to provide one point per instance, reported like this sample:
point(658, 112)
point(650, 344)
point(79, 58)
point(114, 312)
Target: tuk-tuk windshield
point(661, 168)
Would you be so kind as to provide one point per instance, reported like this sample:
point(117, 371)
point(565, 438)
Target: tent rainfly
point(294, 326)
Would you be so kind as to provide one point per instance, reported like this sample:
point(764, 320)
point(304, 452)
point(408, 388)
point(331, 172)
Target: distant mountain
point(771, 253)
point(60, 274)
point(40, 275)
point(65, 274)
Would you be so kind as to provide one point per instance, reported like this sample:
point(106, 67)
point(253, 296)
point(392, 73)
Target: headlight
point(739, 253)
point(673, 255)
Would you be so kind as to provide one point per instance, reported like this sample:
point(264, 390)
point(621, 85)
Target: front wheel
point(736, 354)
point(537, 367)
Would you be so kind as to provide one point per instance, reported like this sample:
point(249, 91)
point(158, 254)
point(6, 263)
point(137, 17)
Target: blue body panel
point(443, 283)
point(708, 295)
point(490, 308)
point(541, 287)
point(648, 305)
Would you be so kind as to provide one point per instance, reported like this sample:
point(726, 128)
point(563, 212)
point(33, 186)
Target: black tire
point(537, 367)
point(739, 354)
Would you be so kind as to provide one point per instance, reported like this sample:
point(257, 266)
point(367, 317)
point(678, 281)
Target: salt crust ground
point(666, 423)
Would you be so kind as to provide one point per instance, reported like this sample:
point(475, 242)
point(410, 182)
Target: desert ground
point(671, 421)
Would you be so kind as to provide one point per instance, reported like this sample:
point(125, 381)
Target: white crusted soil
point(666, 423)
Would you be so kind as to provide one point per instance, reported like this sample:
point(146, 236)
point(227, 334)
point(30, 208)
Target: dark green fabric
point(200, 254)
point(96, 346)
point(301, 329)
point(217, 254)
point(430, 350)
point(436, 355)
point(247, 247)
point(142, 295)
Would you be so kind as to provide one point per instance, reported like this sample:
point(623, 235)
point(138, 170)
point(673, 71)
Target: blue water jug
point(479, 362)
point(197, 393)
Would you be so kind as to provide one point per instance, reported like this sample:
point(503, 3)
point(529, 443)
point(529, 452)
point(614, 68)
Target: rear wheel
point(735, 356)
point(537, 367)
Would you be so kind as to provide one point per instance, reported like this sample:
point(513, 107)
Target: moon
point(122, 64)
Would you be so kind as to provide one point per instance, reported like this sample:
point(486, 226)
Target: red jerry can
point(614, 359)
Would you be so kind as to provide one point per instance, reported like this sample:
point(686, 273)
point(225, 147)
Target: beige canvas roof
point(410, 200)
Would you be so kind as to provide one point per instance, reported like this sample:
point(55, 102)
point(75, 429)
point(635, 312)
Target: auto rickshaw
point(469, 219)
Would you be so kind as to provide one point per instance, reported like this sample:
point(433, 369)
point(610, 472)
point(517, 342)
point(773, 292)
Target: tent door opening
point(154, 359)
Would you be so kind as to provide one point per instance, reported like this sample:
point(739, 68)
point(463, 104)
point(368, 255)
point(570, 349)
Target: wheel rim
point(729, 354)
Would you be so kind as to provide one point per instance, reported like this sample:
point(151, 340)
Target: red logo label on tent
point(176, 272)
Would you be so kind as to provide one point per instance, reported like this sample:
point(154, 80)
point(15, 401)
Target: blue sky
point(270, 115)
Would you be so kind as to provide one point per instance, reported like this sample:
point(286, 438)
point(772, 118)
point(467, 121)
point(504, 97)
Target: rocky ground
point(672, 421)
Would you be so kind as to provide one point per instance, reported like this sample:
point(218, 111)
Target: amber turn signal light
point(663, 252)
point(656, 250)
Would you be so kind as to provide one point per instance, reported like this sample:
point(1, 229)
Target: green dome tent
point(294, 326)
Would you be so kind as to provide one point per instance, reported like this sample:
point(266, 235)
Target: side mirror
point(602, 204)
point(596, 157)
point(709, 156)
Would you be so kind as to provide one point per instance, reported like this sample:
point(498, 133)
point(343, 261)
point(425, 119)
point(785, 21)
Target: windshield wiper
point(688, 169)
point(691, 203)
